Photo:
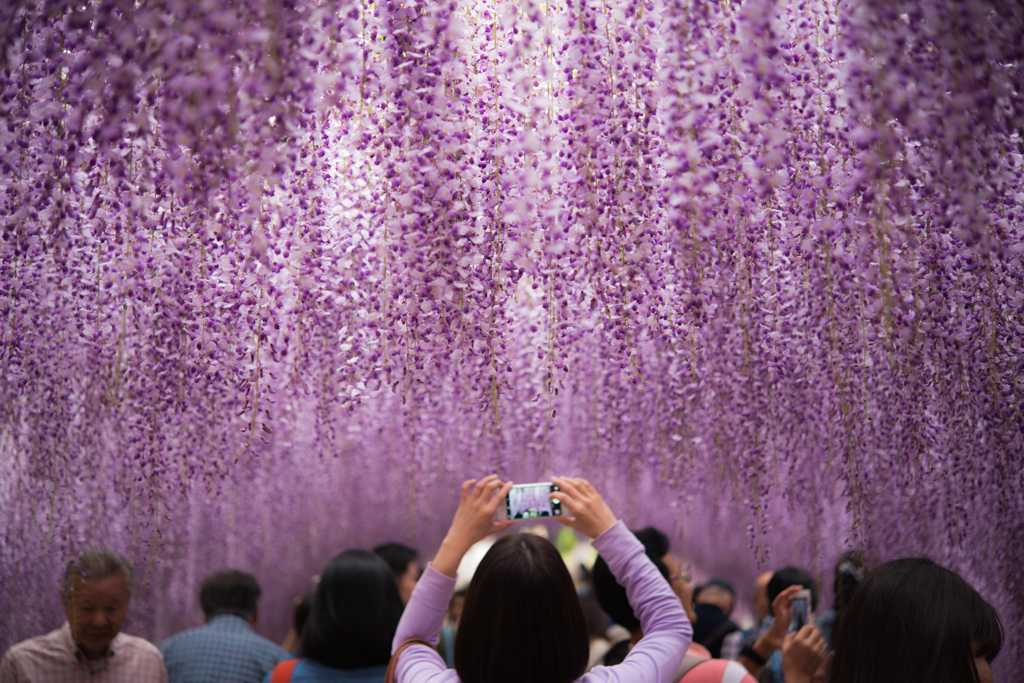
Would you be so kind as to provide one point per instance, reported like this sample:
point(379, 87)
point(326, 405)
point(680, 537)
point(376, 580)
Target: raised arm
point(424, 614)
point(772, 639)
point(667, 631)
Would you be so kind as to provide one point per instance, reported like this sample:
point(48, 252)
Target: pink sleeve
point(422, 618)
point(667, 631)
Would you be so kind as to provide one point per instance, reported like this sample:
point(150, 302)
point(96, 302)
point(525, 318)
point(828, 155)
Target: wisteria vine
point(275, 276)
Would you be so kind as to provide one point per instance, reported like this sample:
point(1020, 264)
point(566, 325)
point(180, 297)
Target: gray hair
point(97, 563)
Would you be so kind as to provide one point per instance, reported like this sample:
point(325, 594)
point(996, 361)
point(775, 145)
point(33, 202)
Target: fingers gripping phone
point(528, 501)
point(801, 609)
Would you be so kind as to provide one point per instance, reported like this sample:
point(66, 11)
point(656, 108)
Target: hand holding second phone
point(802, 652)
point(474, 521)
point(588, 513)
point(782, 618)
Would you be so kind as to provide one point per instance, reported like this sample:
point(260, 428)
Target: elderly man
point(226, 649)
point(89, 647)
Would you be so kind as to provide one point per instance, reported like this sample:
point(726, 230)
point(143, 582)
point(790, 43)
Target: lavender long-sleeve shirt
point(655, 659)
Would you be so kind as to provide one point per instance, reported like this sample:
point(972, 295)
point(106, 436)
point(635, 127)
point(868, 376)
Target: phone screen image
point(801, 612)
point(527, 501)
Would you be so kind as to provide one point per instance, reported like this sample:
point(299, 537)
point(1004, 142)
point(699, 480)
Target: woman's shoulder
point(308, 671)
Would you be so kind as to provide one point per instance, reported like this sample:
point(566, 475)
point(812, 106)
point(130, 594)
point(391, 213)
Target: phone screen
point(526, 501)
point(801, 611)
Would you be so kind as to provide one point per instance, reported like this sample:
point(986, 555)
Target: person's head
point(355, 612)
point(612, 597)
point(848, 575)
point(230, 592)
point(791, 576)
point(762, 606)
point(403, 563)
point(95, 592)
point(718, 593)
point(912, 620)
point(522, 619)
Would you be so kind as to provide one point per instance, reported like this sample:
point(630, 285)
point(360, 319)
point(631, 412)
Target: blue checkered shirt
point(226, 650)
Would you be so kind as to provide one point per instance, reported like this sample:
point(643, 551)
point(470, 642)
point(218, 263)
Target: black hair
point(594, 617)
point(522, 619)
point(355, 612)
point(791, 576)
point(611, 596)
point(849, 573)
point(617, 653)
point(397, 556)
point(912, 620)
point(229, 592)
point(301, 614)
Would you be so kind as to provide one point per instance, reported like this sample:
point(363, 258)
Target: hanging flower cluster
point(275, 277)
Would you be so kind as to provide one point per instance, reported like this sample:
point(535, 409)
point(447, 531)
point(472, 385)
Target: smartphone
point(801, 609)
point(527, 501)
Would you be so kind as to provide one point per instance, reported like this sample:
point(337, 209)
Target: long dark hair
point(522, 619)
point(910, 621)
point(849, 573)
point(355, 612)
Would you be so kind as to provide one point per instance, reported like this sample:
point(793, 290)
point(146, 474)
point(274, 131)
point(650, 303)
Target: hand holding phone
point(474, 520)
point(801, 654)
point(782, 608)
point(588, 513)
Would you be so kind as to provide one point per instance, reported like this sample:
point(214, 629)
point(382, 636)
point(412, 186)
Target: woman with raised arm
point(522, 619)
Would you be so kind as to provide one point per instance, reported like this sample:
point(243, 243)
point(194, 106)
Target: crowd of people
point(635, 618)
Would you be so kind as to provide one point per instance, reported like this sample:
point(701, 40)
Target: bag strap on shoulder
point(389, 677)
point(283, 671)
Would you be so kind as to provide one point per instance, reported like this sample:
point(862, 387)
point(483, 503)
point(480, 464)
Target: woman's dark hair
point(910, 621)
point(355, 612)
point(522, 620)
point(611, 596)
point(593, 616)
point(848, 575)
point(398, 556)
point(791, 576)
point(301, 614)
